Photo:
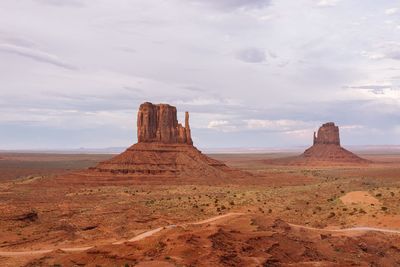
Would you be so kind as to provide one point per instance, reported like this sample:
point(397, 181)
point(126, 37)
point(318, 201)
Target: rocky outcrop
point(328, 133)
point(165, 148)
point(326, 148)
point(159, 123)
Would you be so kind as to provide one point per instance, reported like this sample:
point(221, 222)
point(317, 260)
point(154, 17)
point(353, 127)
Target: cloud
point(388, 50)
point(374, 88)
point(71, 3)
point(222, 125)
point(327, 3)
point(351, 127)
point(36, 55)
point(391, 11)
point(251, 55)
point(234, 4)
point(279, 125)
point(373, 55)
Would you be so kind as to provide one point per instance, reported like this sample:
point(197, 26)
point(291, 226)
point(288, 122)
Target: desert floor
point(280, 215)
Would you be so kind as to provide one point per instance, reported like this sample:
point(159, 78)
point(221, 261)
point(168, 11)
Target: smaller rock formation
point(326, 148)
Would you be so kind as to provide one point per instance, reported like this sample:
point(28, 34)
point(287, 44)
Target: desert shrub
point(384, 208)
point(331, 215)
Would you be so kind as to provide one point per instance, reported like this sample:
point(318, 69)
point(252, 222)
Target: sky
point(252, 73)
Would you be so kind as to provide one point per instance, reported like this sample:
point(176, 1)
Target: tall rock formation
point(164, 149)
point(326, 148)
point(159, 123)
point(328, 133)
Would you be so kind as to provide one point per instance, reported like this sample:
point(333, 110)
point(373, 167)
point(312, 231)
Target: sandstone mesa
point(326, 147)
point(165, 148)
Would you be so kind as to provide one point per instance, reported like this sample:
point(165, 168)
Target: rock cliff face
point(328, 133)
point(158, 123)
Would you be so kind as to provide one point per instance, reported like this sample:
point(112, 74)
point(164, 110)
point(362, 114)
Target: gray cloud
point(234, 4)
point(251, 55)
point(376, 89)
point(34, 54)
point(387, 50)
point(72, 3)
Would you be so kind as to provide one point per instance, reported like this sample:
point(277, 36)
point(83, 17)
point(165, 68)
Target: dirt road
point(210, 220)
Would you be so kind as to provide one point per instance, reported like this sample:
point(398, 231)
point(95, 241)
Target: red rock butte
point(159, 123)
point(326, 147)
point(164, 148)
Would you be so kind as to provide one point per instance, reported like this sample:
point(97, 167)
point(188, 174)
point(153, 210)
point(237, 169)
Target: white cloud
point(391, 11)
point(259, 124)
point(222, 125)
point(373, 55)
point(281, 125)
point(327, 3)
point(386, 50)
point(351, 127)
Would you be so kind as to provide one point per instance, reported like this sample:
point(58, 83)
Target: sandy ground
point(359, 197)
point(346, 203)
